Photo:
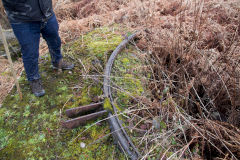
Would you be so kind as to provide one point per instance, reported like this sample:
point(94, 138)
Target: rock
point(8, 34)
point(83, 145)
point(13, 45)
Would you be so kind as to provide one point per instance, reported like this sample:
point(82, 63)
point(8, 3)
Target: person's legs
point(49, 32)
point(28, 35)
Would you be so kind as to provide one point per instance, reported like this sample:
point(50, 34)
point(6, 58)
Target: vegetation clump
point(32, 127)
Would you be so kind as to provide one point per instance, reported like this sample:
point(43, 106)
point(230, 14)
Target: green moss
point(96, 90)
point(125, 61)
point(84, 99)
point(127, 78)
point(96, 44)
point(3, 138)
point(32, 126)
point(107, 105)
point(100, 46)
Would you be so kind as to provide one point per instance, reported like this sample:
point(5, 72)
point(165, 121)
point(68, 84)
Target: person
point(29, 19)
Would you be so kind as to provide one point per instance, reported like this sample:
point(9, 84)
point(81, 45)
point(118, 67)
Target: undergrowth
point(31, 128)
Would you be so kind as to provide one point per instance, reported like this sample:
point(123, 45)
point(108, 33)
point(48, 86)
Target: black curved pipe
point(118, 132)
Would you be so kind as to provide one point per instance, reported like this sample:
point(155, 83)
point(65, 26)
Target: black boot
point(63, 65)
point(37, 88)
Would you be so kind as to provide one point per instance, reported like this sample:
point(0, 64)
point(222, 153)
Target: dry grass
point(3, 18)
point(6, 78)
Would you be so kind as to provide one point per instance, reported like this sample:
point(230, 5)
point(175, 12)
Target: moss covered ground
point(31, 128)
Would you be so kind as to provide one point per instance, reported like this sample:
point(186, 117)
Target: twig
point(85, 70)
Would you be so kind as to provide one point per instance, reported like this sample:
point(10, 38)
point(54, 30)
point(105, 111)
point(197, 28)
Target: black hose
point(119, 133)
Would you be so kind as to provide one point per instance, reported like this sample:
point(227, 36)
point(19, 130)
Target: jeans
point(28, 35)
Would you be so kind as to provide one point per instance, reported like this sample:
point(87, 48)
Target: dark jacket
point(28, 10)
